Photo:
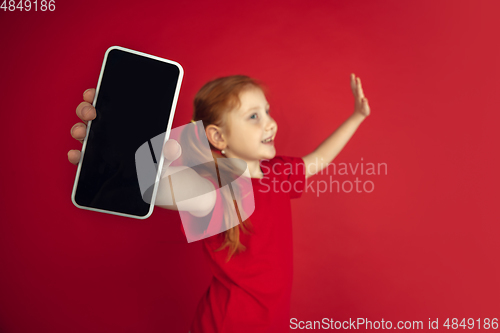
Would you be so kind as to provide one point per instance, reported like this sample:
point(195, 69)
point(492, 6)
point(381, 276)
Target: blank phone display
point(133, 104)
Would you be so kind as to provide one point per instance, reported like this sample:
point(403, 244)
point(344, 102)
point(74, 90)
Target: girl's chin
point(271, 154)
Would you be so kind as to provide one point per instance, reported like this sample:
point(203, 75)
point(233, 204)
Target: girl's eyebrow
point(251, 109)
point(254, 108)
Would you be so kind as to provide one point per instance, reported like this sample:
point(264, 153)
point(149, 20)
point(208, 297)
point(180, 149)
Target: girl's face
point(250, 126)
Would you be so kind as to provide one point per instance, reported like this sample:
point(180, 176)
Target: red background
point(423, 244)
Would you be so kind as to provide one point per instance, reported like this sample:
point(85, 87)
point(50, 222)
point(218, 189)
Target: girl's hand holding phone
point(171, 151)
point(85, 111)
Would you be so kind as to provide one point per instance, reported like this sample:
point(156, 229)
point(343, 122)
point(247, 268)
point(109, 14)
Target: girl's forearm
point(332, 146)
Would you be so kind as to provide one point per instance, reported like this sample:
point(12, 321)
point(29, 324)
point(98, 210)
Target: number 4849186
point(27, 5)
point(487, 323)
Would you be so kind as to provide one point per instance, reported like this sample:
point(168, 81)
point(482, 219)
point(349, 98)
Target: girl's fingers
point(88, 95)
point(74, 156)
point(79, 131)
point(360, 88)
point(171, 151)
point(85, 111)
point(353, 83)
point(357, 90)
point(366, 106)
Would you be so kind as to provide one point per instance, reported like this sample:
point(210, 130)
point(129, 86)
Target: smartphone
point(135, 101)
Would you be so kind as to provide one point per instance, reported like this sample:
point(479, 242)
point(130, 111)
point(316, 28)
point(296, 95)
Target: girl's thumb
point(171, 151)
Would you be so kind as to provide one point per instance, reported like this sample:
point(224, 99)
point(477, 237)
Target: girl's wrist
point(358, 116)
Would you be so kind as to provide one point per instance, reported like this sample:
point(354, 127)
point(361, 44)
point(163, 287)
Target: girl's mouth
point(268, 141)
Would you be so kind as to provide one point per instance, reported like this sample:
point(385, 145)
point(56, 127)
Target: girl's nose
point(271, 123)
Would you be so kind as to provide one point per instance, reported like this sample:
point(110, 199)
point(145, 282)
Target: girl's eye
point(255, 115)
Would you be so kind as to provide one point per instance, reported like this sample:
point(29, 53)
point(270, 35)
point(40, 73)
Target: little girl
point(252, 270)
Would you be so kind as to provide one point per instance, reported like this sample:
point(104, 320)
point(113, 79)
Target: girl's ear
point(215, 137)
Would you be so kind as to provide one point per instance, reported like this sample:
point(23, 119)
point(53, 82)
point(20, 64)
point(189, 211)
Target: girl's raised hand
point(360, 101)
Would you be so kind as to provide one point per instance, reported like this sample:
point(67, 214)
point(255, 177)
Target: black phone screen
point(135, 101)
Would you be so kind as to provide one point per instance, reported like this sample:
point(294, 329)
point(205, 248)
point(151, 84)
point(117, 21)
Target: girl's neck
point(255, 170)
point(253, 167)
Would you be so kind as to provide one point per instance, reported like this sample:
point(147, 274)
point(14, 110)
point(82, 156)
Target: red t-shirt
point(251, 292)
